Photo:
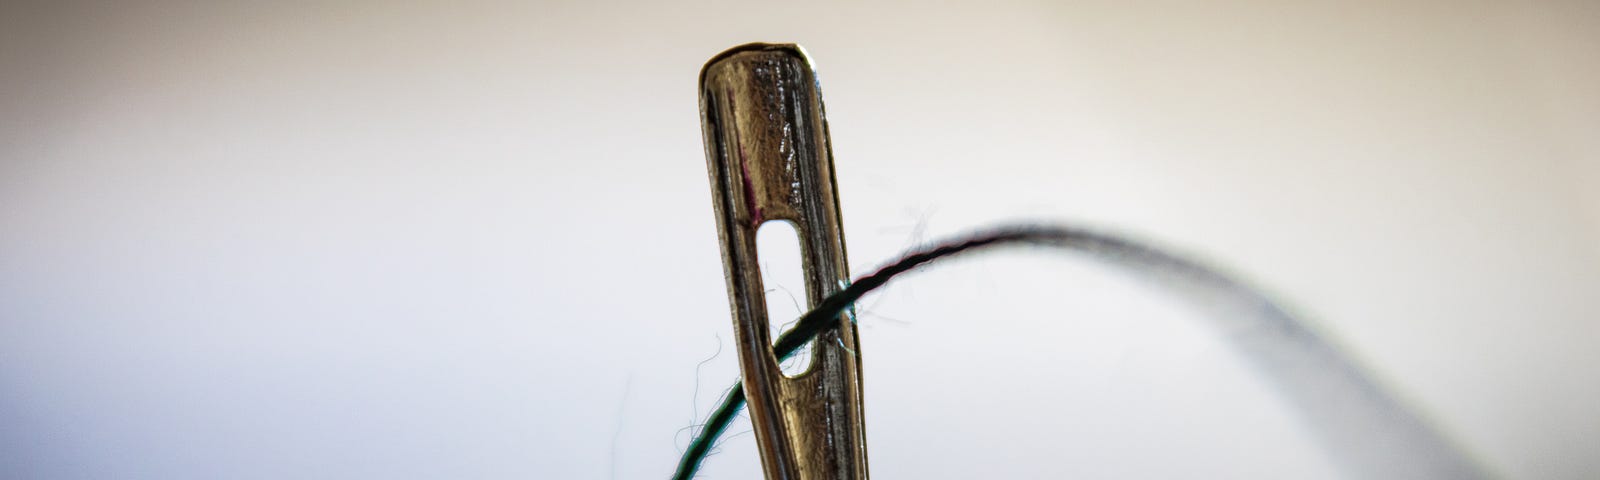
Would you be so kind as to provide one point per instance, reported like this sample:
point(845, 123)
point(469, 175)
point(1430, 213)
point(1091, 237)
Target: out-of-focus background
point(475, 240)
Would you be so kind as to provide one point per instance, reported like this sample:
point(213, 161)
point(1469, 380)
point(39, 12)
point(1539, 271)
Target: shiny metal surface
point(769, 159)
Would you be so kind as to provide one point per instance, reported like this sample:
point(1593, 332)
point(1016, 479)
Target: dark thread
point(814, 321)
point(1344, 431)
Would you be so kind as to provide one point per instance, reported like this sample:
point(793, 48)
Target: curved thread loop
point(1347, 412)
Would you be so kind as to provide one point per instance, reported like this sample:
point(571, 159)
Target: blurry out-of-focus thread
point(1367, 432)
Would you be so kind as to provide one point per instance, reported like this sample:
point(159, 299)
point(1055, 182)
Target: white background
point(475, 240)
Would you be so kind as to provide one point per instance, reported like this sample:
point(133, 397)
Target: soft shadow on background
point(475, 240)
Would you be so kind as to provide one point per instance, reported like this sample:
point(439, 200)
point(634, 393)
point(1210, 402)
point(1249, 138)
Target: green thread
point(1342, 406)
point(816, 320)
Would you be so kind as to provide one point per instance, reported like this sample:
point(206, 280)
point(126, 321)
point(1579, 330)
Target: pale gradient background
point(474, 240)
